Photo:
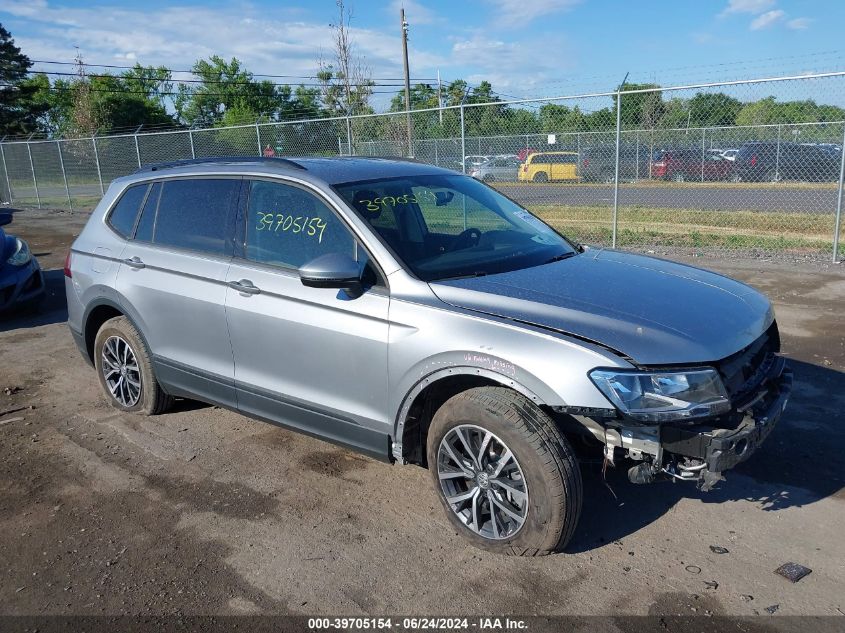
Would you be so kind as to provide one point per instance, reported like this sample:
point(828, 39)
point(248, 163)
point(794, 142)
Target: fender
point(458, 370)
point(105, 301)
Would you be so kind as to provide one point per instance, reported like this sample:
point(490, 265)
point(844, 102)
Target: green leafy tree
point(20, 108)
point(713, 109)
point(640, 109)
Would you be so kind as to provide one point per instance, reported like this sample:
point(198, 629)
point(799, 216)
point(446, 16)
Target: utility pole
point(407, 81)
point(439, 97)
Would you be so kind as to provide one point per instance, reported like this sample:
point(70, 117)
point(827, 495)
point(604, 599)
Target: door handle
point(134, 262)
point(244, 286)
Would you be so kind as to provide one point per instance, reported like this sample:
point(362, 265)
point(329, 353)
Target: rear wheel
point(125, 371)
point(541, 176)
point(773, 176)
point(679, 177)
point(507, 478)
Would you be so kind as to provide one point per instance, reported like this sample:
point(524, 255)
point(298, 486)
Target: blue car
point(21, 280)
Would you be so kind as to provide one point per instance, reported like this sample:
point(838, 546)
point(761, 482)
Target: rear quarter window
point(125, 212)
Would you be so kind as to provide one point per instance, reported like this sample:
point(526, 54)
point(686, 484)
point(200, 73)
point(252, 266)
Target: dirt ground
point(202, 511)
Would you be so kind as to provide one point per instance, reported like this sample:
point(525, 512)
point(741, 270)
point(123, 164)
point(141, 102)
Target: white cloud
point(516, 13)
point(415, 12)
point(747, 6)
point(504, 63)
point(177, 36)
point(799, 24)
point(767, 19)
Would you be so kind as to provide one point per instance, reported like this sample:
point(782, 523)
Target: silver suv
point(419, 316)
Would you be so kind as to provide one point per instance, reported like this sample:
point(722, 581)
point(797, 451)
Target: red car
point(689, 164)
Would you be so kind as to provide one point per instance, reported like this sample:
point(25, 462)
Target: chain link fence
point(752, 168)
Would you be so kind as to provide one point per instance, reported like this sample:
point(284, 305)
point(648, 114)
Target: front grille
point(743, 372)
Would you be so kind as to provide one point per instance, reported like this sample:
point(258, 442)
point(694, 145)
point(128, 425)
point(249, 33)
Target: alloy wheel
point(482, 482)
point(121, 371)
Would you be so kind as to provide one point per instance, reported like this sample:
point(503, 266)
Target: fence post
point(97, 162)
point(464, 143)
point(64, 175)
point(777, 157)
point(6, 171)
point(137, 151)
point(258, 138)
point(191, 140)
point(34, 179)
point(616, 166)
point(837, 225)
point(348, 136)
point(637, 159)
point(703, 145)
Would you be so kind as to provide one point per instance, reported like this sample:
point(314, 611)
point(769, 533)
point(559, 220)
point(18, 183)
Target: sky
point(525, 48)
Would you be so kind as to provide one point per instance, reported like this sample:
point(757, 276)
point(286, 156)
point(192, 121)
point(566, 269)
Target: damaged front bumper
point(701, 452)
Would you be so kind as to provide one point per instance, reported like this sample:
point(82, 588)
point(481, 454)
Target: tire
point(489, 178)
point(148, 398)
point(679, 177)
point(541, 176)
point(608, 178)
point(543, 470)
point(772, 176)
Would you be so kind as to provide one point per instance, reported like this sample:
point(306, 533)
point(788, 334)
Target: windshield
point(448, 226)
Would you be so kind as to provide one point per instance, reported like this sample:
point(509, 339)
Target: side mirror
point(332, 270)
point(5, 218)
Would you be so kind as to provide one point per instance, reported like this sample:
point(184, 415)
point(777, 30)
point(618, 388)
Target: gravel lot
point(202, 511)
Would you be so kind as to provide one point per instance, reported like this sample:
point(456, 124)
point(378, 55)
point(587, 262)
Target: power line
point(88, 64)
point(189, 81)
point(156, 93)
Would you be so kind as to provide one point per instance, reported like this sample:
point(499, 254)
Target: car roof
point(541, 152)
point(330, 170)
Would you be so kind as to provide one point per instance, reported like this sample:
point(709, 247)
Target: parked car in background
point(598, 163)
point(501, 168)
point(683, 165)
point(474, 160)
point(547, 166)
point(21, 280)
point(770, 161)
point(524, 152)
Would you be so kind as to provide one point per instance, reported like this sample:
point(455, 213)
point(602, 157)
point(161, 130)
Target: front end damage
point(759, 382)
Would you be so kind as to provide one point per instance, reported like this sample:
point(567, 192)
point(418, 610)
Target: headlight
point(661, 396)
point(22, 254)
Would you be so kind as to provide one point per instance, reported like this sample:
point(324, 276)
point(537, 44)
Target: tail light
point(586, 163)
point(754, 160)
point(68, 273)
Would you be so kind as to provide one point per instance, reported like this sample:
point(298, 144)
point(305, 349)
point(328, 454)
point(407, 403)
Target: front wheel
point(541, 176)
point(507, 478)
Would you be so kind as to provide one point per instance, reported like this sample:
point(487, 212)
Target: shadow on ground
point(800, 463)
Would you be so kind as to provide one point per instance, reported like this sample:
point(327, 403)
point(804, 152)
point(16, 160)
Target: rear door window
point(197, 214)
point(125, 212)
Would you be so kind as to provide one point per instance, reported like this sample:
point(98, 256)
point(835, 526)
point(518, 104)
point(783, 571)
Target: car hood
point(653, 311)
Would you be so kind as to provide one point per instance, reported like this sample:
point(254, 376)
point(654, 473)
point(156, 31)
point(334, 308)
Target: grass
point(734, 230)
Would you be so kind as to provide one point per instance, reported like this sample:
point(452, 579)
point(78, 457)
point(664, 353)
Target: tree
point(640, 109)
point(346, 83)
point(20, 109)
point(712, 109)
point(226, 85)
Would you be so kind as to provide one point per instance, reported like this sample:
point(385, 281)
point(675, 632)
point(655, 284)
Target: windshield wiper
point(560, 257)
point(467, 276)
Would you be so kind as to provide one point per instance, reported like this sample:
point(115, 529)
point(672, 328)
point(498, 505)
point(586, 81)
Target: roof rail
point(211, 160)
